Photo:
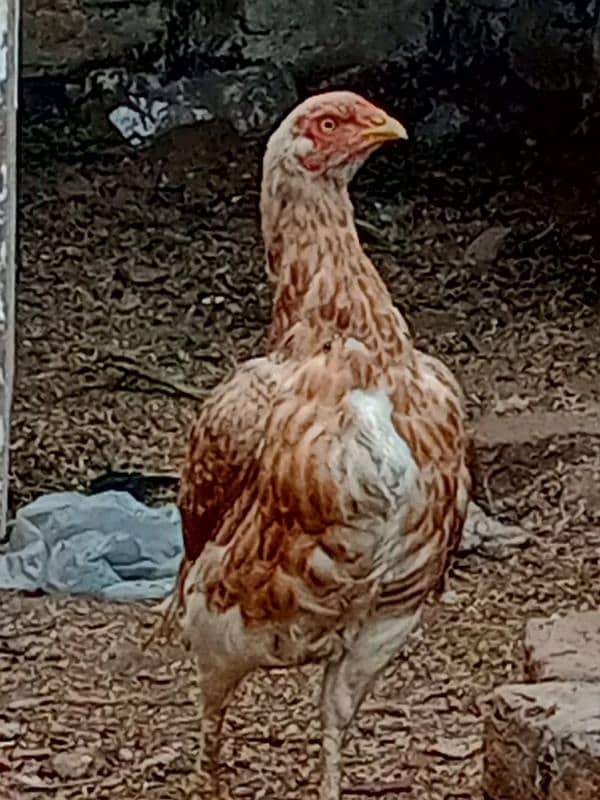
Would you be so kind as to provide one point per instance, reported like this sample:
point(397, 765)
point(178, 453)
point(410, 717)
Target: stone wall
point(311, 35)
point(173, 51)
point(550, 43)
point(60, 37)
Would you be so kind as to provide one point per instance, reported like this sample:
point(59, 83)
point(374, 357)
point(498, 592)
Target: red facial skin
point(337, 133)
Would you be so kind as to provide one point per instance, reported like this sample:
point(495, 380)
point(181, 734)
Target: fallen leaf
point(486, 246)
point(72, 764)
point(161, 759)
point(455, 748)
point(31, 752)
point(126, 754)
point(9, 731)
point(513, 403)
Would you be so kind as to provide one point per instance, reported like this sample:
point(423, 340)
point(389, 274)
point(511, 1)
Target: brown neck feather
point(320, 272)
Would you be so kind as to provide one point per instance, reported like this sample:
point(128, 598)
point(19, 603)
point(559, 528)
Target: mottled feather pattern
point(289, 490)
point(326, 278)
point(262, 421)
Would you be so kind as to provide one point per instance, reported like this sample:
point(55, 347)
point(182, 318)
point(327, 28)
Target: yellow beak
point(387, 130)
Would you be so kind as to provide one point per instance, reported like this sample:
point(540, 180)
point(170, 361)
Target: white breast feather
point(379, 460)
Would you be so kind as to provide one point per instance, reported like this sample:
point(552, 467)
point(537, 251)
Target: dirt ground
point(141, 273)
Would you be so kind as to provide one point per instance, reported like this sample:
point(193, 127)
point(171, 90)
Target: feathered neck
point(319, 271)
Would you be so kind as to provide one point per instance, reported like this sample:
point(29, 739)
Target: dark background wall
point(171, 62)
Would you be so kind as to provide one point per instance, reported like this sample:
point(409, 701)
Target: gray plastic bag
point(105, 544)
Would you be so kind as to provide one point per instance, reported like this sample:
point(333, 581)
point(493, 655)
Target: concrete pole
point(9, 41)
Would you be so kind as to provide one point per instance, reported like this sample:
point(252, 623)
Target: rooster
point(325, 484)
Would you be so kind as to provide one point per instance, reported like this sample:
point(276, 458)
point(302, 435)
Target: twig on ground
point(371, 230)
point(77, 391)
point(538, 237)
point(34, 783)
point(128, 365)
point(378, 789)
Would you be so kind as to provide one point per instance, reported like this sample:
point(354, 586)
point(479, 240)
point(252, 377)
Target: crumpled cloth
point(108, 545)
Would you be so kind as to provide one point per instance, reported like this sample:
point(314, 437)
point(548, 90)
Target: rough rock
point(551, 46)
point(566, 648)
point(143, 106)
point(313, 37)
point(542, 742)
point(554, 45)
point(60, 36)
point(445, 119)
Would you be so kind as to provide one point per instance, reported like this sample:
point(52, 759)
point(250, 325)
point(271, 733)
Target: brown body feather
point(230, 454)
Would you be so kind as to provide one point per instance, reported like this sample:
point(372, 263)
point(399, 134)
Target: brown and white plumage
point(325, 484)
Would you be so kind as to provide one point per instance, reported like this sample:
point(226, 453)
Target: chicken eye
point(328, 125)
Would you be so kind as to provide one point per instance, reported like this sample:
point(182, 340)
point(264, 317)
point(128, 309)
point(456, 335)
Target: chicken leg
point(345, 684)
point(216, 690)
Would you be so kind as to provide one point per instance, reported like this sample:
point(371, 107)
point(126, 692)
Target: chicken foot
point(345, 684)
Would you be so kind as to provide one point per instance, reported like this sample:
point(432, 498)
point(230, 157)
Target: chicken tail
point(170, 608)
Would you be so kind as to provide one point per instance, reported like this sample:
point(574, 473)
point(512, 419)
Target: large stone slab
point(564, 648)
point(542, 742)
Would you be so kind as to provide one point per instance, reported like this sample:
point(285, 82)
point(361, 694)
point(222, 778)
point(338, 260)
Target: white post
point(9, 39)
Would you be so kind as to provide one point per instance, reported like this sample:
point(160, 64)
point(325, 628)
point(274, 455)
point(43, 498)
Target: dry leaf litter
point(141, 283)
